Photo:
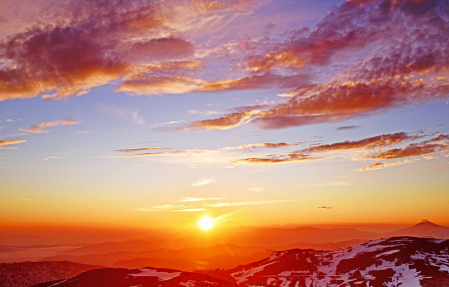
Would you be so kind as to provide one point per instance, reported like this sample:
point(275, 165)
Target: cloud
point(202, 113)
point(190, 210)
point(263, 145)
point(284, 59)
point(137, 118)
point(325, 207)
point(144, 84)
point(226, 204)
point(90, 45)
point(439, 143)
point(51, 157)
point(382, 165)
point(345, 128)
point(201, 151)
point(165, 153)
point(204, 182)
point(429, 157)
point(326, 103)
point(141, 149)
point(166, 123)
point(124, 114)
point(258, 189)
point(338, 183)
point(367, 143)
point(293, 157)
point(5, 144)
point(392, 55)
point(39, 128)
point(159, 208)
point(192, 199)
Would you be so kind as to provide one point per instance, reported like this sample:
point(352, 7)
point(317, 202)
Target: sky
point(151, 114)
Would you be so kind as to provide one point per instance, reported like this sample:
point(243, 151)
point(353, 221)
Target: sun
point(206, 222)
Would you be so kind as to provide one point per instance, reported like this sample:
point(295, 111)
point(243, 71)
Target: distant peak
point(426, 222)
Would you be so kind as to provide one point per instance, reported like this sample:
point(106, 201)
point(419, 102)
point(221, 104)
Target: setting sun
point(206, 222)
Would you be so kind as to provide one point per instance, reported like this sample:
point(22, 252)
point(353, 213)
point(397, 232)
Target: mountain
point(393, 262)
point(397, 261)
point(329, 246)
point(272, 237)
point(423, 229)
point(217, 256)
point(24, 274)
point(145, 277)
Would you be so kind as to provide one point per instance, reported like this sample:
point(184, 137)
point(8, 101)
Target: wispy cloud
point(190, 210)
point(204, 182)
point(39, 128)
point(160, 208)
point(242, 203)
point(439, 143)
point(193, 199)
point(166, 123)
point(203, 113)
point(333, 183)
point(325, 207)
point(84, 132)
point(346, 128)
point(137, 118)
point(367, 143)
point(382, 165)
point(258, 189)
point(290, 158)
point(51, 157)
point(122, 113)
point(164, 153)
point(141, 149)
point(5, 144)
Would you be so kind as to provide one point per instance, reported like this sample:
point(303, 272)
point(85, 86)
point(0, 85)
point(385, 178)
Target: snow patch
point(154, 273)
point(387, 253)
point(243, 275)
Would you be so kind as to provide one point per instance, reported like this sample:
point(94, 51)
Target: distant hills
point(423, 229)
point(239, 247)
point(396, 261)
point(242, 247)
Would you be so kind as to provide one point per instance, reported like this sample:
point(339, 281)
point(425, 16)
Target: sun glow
point(206, 222)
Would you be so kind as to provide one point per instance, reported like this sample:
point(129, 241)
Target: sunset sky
point(150, 114)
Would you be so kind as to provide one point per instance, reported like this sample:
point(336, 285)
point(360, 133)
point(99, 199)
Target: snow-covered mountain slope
point(392, 262)
point(397, 261)
point(143, 277)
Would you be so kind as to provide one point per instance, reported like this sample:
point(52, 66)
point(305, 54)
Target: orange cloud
point(208, 5)
point(144, 84)
point(258, 145)
point(141, 149)
point(101, 44)
point(39, 128)
point(325, 103)
point(367, 143)
point(437, 144)
point(283, 59)
point(382, 165)
point(193, 199)
point(5, 144)
point(162, 153)
point(294, 157)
